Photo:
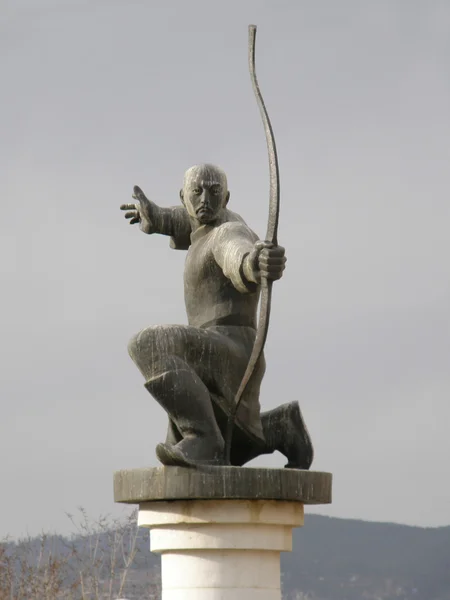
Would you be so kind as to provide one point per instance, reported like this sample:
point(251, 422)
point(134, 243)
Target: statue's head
point(205, 192)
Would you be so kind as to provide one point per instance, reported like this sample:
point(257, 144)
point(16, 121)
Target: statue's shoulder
point(232, 217)
point(234, 224)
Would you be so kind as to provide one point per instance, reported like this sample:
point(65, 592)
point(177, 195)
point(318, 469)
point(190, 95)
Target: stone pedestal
point(220, 530)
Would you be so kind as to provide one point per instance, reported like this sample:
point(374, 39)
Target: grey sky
point(98, 96)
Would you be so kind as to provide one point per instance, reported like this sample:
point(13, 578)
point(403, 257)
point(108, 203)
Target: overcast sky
point(98, 96)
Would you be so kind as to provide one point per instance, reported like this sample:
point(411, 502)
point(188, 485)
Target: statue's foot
point(296, 445)
point(190, 453)
point(286, 432)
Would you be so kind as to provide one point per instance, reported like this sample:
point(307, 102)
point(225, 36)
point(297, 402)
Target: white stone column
point(220, 530)
point(221, 549)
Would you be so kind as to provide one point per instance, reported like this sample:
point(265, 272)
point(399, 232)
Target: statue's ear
point(182, 196)
point(227, 197)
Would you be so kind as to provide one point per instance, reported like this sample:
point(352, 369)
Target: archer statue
point(207, 374)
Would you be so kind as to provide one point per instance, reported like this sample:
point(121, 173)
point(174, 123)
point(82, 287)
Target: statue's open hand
point(266, 261)
point(143, 212)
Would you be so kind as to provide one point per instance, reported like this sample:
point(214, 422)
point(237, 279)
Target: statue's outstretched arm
point(172, 221)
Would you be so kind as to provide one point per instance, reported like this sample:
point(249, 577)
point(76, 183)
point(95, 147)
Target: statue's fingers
point(135, 220)
point(277, 251)
point(272, 276)
point(132, 215)
point(267, 259)
point(272, 268)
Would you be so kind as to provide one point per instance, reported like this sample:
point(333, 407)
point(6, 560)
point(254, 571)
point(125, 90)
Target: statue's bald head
point(205, 192)
point(210, 174)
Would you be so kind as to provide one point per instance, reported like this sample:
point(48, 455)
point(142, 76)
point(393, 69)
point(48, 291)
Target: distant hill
point(343, 559)
point(333, 559)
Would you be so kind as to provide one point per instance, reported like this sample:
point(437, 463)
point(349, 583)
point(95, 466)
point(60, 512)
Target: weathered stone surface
point(136, 486)
point(195, 371)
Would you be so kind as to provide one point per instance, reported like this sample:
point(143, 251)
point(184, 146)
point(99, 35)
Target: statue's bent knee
point(141, 347)
point(155, 348)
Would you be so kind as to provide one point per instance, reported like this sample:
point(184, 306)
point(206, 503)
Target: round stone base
point(220, 530)
point(134, 486)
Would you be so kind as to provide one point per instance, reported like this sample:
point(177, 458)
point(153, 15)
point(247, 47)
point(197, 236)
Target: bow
point(271, 238)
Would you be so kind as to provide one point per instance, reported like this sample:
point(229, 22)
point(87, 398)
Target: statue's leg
point(176, 362)
point(284, 430)
point(186, 400)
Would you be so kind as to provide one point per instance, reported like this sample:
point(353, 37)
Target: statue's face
point(204, 195)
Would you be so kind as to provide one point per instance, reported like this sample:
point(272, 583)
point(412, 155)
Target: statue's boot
point(285, 431)
point(173, 436)
point(186, 454)
point(188, 404)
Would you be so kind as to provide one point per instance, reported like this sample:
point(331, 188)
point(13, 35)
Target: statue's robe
point(221, 305)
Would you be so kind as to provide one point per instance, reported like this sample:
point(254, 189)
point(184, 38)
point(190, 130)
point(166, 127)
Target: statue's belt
point(231, 320)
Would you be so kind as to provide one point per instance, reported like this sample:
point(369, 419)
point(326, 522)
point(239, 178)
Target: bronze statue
point(207, 374)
